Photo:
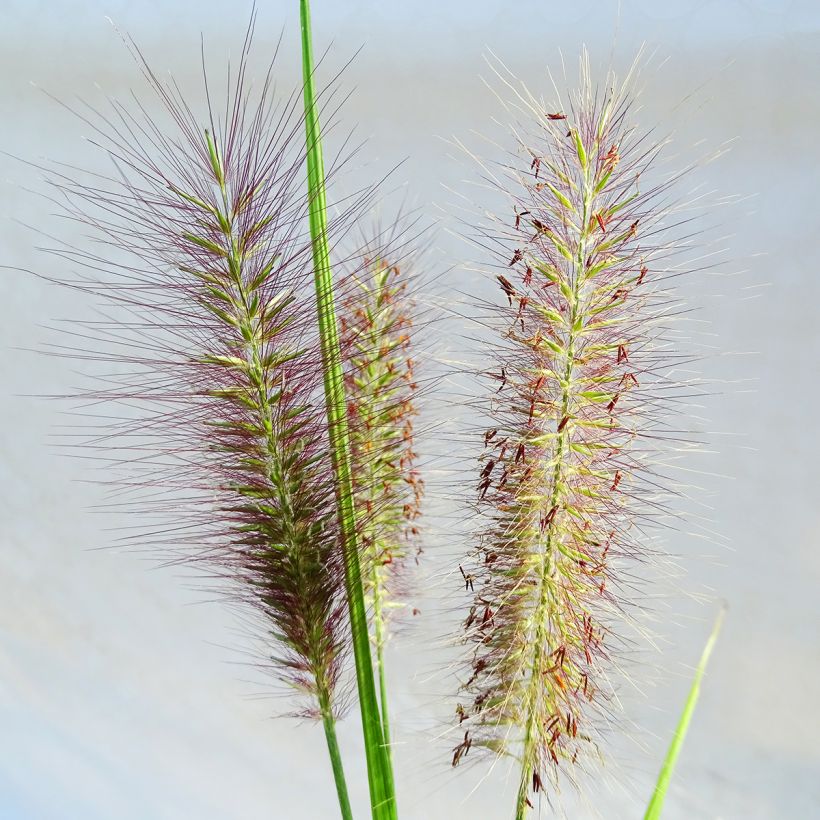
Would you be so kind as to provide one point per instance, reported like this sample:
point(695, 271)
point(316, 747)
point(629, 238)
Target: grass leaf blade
point(653, 811)
point(380, 777)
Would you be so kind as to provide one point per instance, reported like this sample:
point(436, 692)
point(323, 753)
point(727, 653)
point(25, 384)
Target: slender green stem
point(380, 776)
point(653, 811)
point(329, 722)
point(379, 635)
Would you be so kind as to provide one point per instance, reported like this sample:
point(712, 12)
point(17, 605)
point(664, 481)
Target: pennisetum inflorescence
point(204, 257)
point(579, 384)
point(202, 253)
point(376, 319)
point(277, 445)
point(206, 241)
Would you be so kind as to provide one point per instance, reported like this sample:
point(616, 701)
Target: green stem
point(379, 635)
point(379, 771)
point(329, 722)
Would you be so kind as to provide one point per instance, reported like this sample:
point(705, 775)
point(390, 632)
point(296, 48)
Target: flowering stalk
point(295, 524)
point(203, 250)
point(561, 479)
point(380, 387)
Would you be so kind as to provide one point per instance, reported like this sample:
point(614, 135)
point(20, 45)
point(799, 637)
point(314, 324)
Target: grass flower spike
point(205, 257)
point(578, 392)
point(379, 384)
point(254, 398)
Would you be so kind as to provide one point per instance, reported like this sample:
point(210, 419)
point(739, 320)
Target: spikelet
point(376, 319)
point(579, 385)
point(203, 256)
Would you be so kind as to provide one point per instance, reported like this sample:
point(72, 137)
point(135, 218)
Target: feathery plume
point(376, 319)
point(579, 392)
point(204, 257)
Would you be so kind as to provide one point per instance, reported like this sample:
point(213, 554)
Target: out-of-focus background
point(121, 695)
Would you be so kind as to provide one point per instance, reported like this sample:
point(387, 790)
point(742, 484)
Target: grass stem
point(380, 669)
point(380, 776)
point(329, 722)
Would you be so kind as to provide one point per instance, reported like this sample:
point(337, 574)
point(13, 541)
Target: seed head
point(203, 256)
point(377, 325)
point(578, 385)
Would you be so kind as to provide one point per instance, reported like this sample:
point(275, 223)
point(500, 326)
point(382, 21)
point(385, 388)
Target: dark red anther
point(503, 481)
point(507, 287)
point(547, 519)
point(462, 749)
point(611, 156)
point(470, 618)
point(518, 218)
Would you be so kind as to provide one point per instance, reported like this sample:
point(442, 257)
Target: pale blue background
point(121, 699)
